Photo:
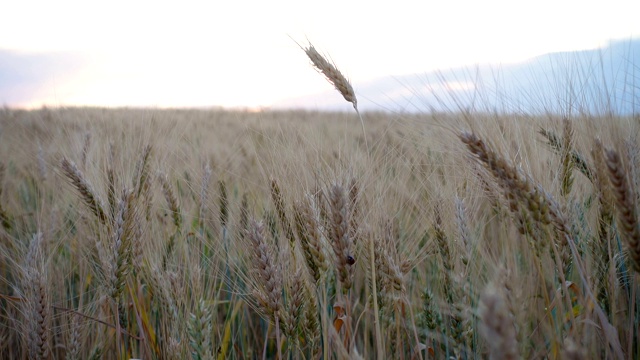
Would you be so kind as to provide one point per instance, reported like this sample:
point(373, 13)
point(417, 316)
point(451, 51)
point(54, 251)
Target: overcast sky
point(242, 53)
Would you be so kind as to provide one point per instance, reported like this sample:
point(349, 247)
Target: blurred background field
point(145, 233)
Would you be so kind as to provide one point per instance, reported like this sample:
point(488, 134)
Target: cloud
point(27, 77)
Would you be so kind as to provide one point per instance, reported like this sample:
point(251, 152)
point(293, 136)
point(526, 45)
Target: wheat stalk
point(172, 201)
point(520, 188)
point(204, 187)
point(37, 300)
point(311, 325)
point(121, 247)
point(340, 240)
point(310, 237)
point(296, 300)
point(42, 163)
point(339, 81)
point(572, 351)
point(463, 229)
point(143, 172)
point(278, 201)
point(497, 326)
point(625, 205)
point(333, 75)
point(244, 215)
point(269, 291)
point(74, 343)
point(560, 146)
point(5, 220)
point(87, 193)
point(199, 330)
point(111, 182)
point(85, 150)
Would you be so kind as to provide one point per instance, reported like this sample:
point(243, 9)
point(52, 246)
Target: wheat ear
point(172, 201)
point(339, 81)
point(37, 301)
point(4, 216)
point(199, 329)
point(333, 75)
point(497, 326)
point(340, 240)
point(269, 292)
point(278, 201)
point(573, 351)
point(86, 190)
point(518, 187)
point(310, 238)
point(121, 248)
point(625, 205)
point(85, 149)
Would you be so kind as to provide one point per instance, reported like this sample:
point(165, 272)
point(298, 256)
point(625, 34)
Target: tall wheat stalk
point(339, 82)
point(625, 205)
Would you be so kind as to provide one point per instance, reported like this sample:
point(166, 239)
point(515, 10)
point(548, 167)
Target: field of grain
point(174, 234)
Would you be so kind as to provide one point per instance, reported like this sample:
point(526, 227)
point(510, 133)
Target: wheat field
point(175, 234)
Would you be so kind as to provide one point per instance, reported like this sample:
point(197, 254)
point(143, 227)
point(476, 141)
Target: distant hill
point(595, 81)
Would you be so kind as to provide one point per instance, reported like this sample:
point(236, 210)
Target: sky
point(246, 54)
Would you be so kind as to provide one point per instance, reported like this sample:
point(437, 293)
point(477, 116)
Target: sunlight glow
point(244, 53)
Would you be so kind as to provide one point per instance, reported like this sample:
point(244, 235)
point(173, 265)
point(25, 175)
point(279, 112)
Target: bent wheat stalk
point(339, 81)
